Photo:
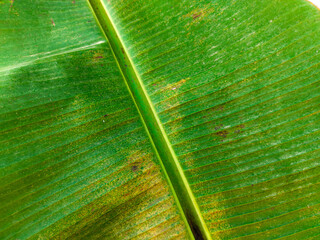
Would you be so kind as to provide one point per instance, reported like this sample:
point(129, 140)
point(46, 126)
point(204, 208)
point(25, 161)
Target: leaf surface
point(214, 129)
point(76, 162)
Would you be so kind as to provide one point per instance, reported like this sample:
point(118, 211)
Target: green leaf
point(159, 119)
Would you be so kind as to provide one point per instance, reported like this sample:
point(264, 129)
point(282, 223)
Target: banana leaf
point(159, 119)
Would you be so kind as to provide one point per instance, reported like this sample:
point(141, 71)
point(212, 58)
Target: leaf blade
point(231, 83)
point(75, 159)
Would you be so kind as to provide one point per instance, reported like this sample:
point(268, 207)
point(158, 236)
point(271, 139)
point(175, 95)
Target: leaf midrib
point(171, 167)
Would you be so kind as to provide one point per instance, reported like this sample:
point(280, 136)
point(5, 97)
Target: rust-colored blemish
point(223, 133)
point(196, 15)
point(177, 85)
point(218, 108)
point(97, 56)
point(239, 128)
point(52, 22)
point(134, 168)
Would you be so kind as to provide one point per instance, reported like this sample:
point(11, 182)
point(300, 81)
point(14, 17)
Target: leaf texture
point(76, 162)
point(234, 86)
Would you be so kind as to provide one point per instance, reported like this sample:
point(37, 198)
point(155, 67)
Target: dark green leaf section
point(235, 85)
point(76, 162)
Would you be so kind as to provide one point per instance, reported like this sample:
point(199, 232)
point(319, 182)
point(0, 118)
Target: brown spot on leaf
point(175, 85)
point(199, 15)
point(217, 108)
point(221, 108)
point(223, 133)
point(134, 168)
point(52, 22)
point(97, 56)
point(196, 15)
point(239, 128)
